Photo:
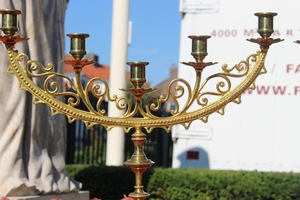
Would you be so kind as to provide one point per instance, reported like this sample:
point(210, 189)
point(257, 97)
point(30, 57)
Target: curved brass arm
point(92, 118)
point(180, 115)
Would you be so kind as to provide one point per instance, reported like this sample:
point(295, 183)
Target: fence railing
point(88, 146)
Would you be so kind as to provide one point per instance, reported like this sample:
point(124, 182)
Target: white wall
point(263, 132)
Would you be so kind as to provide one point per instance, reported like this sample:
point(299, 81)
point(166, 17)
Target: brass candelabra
point(26, 70)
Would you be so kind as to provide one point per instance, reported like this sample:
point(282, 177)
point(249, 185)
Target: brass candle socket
point(265, 23)
point(9, 21)
point(137, 73)
point(199, 47)
point(77, 49)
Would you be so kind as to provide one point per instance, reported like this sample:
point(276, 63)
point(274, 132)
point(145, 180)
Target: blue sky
point(155, 32)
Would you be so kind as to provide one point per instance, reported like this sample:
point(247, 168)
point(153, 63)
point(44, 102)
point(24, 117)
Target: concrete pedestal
point(81, 195)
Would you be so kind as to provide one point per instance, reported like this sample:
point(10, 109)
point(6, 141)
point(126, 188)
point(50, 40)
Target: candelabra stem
point(138, 164)
point(80, 90)
point(199, 67)
point(194, 93)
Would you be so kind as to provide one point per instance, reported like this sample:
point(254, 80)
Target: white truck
point(263, 132)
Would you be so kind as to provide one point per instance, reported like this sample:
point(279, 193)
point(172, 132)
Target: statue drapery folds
point(32, 141)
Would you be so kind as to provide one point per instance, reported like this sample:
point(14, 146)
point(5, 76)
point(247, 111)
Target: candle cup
point(137, 73)
point(265, 23)
point(9, 21)
point(199, 47)
point(77, 49)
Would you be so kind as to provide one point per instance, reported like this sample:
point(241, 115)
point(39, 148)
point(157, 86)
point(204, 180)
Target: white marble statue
point(32, 141)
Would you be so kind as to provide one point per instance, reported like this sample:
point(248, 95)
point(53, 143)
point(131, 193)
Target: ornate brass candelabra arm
point(51, 90)
point(95, 115)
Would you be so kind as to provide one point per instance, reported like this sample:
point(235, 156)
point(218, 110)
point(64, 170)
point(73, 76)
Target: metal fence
point(88, 146)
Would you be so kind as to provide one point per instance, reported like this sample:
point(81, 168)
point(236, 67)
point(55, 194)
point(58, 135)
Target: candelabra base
point(81, 195)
